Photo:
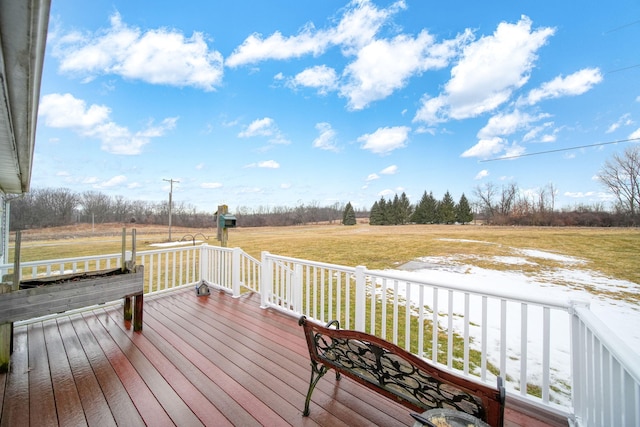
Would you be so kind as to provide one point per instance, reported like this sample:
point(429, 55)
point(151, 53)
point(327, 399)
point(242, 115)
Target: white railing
point(606, 374)
point(166, 269)
point(555, 355)
point(229, 269)
point(37, 269)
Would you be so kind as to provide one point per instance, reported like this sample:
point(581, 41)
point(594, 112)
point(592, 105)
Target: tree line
point(498, 205)
point(428, 210)
point(53, 207)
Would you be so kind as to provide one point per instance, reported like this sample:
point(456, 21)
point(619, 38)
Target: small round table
point(450, 418)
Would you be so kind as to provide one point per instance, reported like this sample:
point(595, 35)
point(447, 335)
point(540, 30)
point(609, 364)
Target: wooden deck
point(216, 361)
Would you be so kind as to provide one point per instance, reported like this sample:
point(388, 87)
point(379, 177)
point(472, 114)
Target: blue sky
point(280, 103)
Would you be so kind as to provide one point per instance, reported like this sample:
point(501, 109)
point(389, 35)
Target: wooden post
point(16, 261)
point(123, 268)
point(133, 249)
point(137, 318)
point(17, 273)
point(131, 266)
point(6, 330)
point(128, 314)
point(123, 262)
point(223, 232)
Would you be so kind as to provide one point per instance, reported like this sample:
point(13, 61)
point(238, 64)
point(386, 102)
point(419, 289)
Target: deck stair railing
point(478, 332)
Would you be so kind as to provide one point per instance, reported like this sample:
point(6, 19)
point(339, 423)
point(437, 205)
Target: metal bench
point(395, 373)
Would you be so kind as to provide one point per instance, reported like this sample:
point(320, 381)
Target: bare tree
point(507, 198)
point(486, 195)
point(621, 175)
point(96, 206)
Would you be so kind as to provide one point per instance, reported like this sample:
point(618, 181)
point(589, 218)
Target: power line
point(622, 69)
point(560, 149)
point(622, 26)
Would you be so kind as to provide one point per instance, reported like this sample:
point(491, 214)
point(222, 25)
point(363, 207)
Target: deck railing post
point(266, 281)
point(296, 289)
point(204, 263)
point(235, 271)
point(577, 352)
point(361, 295)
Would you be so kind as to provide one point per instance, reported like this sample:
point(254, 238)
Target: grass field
point(613, 252)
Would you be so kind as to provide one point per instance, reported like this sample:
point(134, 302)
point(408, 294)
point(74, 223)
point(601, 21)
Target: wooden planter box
point(58, 294)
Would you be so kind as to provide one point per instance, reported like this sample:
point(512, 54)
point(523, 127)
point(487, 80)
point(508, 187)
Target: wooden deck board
point(94, 404)
point(15, 408)
point(67, 400)
point(42, 406)
point(122, 408)
point(214, 361)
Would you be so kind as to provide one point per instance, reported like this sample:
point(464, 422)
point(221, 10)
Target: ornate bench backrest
point(400, 375)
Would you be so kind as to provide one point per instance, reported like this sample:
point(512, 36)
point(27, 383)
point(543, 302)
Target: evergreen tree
point(385, 211)
point(420, 212)
point(463, 211)
point(404, 209)
point(431, 210)
point(380, 212)
point(395, 211)
point(375, 215)
point(349, 215)
point(446, 209)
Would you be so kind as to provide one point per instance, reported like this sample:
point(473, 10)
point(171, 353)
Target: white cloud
point(384, 140)
point(381, 66)
point(113, 182)
point(485, 148)
point(386, 193)
point(635, 134)
point(156, 56)
point(327, 138)
point(211, 185)
point(533, 132)
point(66, 111)
point(359, 24)
point(574, 84)
point(384, 66)
point(372, 177)
point(482, 174)
point(579, 194)
point(507, 124)
point(264, 127)
point(487, 74)
point(389, 170)
point(320, 77)
point(550, 137)
point(269, 164)
point(260, 127)
point(625, 120)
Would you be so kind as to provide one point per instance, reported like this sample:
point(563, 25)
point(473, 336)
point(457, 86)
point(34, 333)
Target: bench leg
point(316, 374)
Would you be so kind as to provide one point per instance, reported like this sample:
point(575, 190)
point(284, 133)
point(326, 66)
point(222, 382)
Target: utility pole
point(171, 181)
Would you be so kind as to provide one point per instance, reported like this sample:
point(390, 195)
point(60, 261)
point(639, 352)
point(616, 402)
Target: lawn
point(610, 251)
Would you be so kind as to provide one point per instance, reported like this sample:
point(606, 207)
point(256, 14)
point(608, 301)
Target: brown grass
point(610, 251)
